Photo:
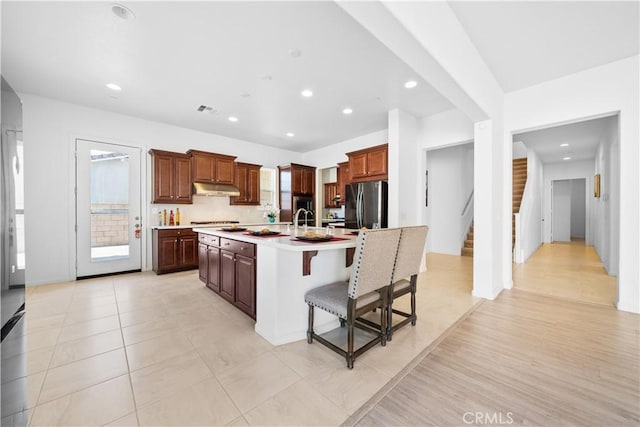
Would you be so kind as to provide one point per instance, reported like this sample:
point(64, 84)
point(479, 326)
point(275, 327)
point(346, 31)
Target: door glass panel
point(109, 205)
point(18, 179)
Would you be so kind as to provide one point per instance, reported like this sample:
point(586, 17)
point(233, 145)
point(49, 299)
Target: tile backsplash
point(207, 208)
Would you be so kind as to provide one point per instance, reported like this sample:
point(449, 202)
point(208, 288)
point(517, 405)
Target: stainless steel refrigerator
point(13, 343)
point(366, 205)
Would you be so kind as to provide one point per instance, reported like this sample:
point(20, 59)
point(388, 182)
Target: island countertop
point(287, 240)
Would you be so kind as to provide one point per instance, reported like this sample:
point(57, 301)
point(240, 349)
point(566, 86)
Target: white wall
point(578, 208)
point(561, 210)
point(606, 209)
point(531, 208)
point(449, 186)
point(596, 92)
point(331, 155)
point(50, 130)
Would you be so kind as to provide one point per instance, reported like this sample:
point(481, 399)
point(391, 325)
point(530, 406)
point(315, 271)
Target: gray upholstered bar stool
point(405, 275)
point(367, 289)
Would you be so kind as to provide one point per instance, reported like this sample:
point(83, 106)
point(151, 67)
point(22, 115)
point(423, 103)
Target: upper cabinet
point(330, 192)
point(303, 180)
point(368, 164)
point(171, 177)
point(247, 180)
point(212, 167)
point(343, 180)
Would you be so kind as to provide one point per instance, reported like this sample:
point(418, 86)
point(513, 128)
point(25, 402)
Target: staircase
point(467, 250)
point(519, 179)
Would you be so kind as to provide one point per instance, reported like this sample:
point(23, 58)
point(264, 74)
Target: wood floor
point(567, 270)
point(524, 359)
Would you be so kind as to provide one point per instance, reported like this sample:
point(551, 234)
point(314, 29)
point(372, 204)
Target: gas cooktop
point(213, 222)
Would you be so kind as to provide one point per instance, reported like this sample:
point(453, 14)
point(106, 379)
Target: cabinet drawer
point(209, 240)
point(178, 232)
point(242, 248)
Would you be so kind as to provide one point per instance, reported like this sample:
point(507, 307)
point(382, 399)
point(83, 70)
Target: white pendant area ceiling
point(251, 60)
point(248, 60)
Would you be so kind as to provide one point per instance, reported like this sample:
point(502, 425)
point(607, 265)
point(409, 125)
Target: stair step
point(468, 243)
point(467, 252)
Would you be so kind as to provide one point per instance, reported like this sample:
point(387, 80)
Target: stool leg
point(350, 339)
point(310, 330)
point(390, 314)
point(414, 280)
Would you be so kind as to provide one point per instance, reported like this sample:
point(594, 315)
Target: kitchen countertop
point(288, 242)
point(175, 227)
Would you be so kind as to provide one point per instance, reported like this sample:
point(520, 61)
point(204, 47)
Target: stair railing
point(466, 218)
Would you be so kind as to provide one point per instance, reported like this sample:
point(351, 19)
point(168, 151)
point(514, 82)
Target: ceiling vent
point(205, 109)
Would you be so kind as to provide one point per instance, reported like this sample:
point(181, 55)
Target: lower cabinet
point(174, 250)
point(230, 270)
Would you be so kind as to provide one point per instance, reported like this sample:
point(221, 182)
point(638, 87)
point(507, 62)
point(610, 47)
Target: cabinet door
point(330, 191)
point(224, 169)
point(167, 253)
point(377, 162)
point(343, 181)
point(202, 168)
point(213, 267)
point(183, 180)
point(203, 264)
point(227, 275)
point(357, 166)
point(188, 251)
point(240, 182)
point(163, 178)
point(308, 181)
point(246, 285)
point(253, 186)
point(297, 180)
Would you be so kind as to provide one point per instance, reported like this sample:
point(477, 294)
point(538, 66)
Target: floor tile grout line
point(126, 357)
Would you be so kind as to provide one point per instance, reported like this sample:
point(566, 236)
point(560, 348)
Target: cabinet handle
point(227, 244)
point(242, 248)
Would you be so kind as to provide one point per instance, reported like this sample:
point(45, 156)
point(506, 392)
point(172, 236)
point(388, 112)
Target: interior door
point(108, 208)
point(561, 208)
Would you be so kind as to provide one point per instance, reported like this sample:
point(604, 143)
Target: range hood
point(211, 189)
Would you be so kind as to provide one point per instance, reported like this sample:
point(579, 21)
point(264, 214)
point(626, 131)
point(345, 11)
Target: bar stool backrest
point(410, 252)
point(373, 261)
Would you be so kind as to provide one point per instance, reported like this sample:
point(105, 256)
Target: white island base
point(281, 313)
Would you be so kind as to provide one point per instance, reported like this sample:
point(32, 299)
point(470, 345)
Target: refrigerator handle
point(359, 206)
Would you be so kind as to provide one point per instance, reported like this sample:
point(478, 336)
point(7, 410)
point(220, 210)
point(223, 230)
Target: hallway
point(566, 270)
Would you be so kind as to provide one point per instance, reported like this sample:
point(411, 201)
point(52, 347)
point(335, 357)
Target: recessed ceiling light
point(113, 86)
point(291, 134)
point(411, 84)
point(564, 145)
point(347, 111)
point(566, 158)
point(122, 12)
point(306, 93)
point(233, 119)
point(295, 53)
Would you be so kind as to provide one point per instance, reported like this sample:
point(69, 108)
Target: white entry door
point(108, 208)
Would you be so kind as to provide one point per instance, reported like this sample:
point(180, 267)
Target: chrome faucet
point(306, 214)
point(295, 218)
point(306, 221)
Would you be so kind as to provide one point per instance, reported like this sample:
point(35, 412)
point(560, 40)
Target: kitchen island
point(285, 269)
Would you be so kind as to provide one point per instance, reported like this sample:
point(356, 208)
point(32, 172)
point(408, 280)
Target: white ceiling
point(583, 139)
point(176, 56)
point(529, 42)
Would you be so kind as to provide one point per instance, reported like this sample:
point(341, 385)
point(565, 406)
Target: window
point(267, 187)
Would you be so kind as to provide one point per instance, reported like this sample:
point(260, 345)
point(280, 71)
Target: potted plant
point(271, 213)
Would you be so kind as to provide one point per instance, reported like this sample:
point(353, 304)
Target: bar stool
point(367, 289)
point(408, 259)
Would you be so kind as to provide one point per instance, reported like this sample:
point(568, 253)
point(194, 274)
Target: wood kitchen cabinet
point(247, 179)
point(343, 181)
point(230, 271)
point(330, 192)
point(303, 180)
point(171, 177)
point(368, 164)
point(294, 180)
point(174, 250)
point(212, 167)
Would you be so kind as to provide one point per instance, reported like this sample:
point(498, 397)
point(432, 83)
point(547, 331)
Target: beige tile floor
point(567, 270)
point(141, 349)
